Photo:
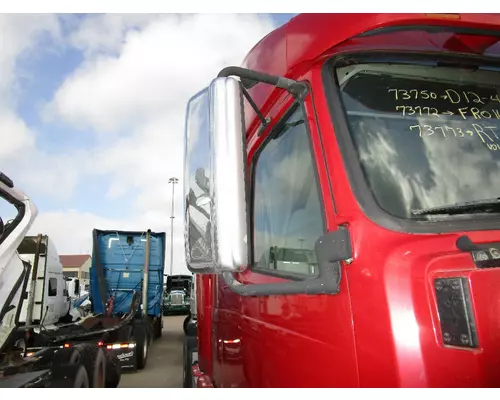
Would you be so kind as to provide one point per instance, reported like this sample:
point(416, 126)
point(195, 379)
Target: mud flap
point(127, 357)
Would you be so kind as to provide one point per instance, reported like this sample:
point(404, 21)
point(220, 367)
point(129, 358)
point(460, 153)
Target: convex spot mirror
point(214, 179)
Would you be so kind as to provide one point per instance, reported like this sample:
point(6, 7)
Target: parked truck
point(33, 298)
point(367, 145)
point(48, 299)
point(125, 297)
point(177, 295)
point(126, 263)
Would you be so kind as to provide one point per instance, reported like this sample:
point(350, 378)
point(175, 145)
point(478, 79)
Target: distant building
point(77, 266)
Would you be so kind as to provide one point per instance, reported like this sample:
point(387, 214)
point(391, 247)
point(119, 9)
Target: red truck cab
point(342, 206)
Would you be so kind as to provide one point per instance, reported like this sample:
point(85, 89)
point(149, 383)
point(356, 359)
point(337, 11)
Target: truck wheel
point(158, 329)
point(191, 328)
point(81, 378)
point(190, 346)
point(151, 331)
point(141, 345)
point(113, 370)
point(69, 376)
point(94, 360)
point(67, 356)
point(185, 324)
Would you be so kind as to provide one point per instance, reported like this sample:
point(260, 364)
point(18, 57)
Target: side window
point(287, 211)
point(52, 287)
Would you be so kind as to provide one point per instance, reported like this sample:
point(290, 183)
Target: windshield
point(426, 136)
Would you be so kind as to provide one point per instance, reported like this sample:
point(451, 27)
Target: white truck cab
point(33, 290)
point(13, 269)
point(48, 294)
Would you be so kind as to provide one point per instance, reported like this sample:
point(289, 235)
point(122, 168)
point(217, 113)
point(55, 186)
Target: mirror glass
point(196, 183)
point(214, 185)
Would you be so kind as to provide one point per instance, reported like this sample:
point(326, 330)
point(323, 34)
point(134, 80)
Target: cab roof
point(306, 36)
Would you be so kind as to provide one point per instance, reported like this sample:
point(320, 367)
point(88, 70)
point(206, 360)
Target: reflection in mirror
point(196, 183)
point(214, 184)
point(288, 217)
point(202, 200)
point(426, 136)
point(202, 180)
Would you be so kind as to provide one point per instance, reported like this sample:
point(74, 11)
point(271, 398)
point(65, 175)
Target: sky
point(92, 113)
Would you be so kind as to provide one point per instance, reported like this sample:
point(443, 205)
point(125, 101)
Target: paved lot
point(164, 366)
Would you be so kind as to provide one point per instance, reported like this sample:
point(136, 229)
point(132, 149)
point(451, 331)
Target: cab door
point(288, 340)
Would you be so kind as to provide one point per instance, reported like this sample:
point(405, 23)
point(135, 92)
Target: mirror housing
point(215, 207)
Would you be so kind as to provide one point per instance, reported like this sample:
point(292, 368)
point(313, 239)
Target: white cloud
point(19, 156)
point(99, 33)
point(131, 91)
point(55, 175)
point(71, 231)
point(14, 134)
point(157, 70)
point(20, 34)
point(438, 182)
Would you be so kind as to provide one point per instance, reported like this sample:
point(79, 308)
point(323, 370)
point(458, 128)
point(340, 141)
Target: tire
point(94, 360)
point(124, 333)
point(141, 345)
point(158, 328)
point(81, 378)
point(70, 356)
point(113, 370)
point(190, 345)
point(151, 331)
point(185, 324)
point(69, 376)
point(191, 328)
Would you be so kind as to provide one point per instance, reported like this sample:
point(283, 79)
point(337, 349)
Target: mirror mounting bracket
point(331, 248)
point(249, 78)
point(264, 121)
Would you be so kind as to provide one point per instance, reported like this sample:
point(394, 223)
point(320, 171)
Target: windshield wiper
point(471, 207)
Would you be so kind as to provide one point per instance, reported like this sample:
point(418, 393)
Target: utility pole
point(173, 181)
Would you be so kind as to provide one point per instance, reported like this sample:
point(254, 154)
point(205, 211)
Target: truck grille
point(176, 299)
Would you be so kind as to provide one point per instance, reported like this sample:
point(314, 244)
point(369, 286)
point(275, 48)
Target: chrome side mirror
point(214, 180)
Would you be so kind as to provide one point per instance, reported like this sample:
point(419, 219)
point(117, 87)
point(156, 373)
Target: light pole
point(173, 181)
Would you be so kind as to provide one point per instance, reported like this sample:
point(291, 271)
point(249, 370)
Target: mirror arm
point(265, 121)
point(250, 78)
